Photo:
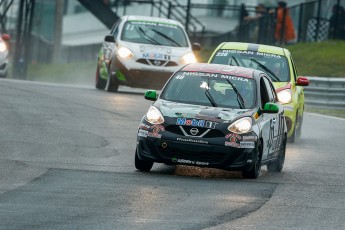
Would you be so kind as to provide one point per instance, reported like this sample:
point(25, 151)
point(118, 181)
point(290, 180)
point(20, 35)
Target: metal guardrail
point(325, 92)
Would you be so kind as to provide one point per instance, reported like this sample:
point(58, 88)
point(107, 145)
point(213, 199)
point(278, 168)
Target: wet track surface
point(67, 162)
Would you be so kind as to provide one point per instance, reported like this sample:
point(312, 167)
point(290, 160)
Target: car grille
point(156, 62)
point(212, 133)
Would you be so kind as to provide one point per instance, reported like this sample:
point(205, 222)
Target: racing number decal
point(274, 139)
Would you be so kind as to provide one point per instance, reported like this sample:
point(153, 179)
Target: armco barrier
point(325, 92)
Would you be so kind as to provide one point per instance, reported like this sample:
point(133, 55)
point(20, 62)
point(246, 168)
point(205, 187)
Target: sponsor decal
point(247, 144)
point(155, 135)
point(249, 138)
point(196, 122)
point(183, 161)
point(156, 56)
point(288, 107)
point(157, 128)
point(233, 137)
point(225, 53)
point(215, 75)
point(192, 140)
point(142, 133)
point(232, 144)
point(143, 126)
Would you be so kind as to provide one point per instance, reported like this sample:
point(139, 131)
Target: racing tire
point(100, 83)
point(3, 75)
point(141, 164)
point(293, 137)
point(112, 85)
point(278, 164)
point(254, 172)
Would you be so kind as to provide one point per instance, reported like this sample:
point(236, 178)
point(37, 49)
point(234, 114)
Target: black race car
point(216, 116)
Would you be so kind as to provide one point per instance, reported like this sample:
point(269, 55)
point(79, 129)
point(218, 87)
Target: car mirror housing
point(196, 47)
point(109, 38)
point(270, 108)
point(302, 81)
point(151, 95)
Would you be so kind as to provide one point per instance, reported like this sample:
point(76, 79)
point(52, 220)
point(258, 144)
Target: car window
point(191, 87)
point(115, 30)
point(270, 90)
point(277, 65)
point(294, 69)
point(154, 33)
point(263, 93)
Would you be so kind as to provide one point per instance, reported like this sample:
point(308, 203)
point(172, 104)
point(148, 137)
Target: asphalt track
point(67, 162)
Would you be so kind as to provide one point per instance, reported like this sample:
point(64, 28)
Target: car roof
point(221, 69)
point(253, 47)
point(151, 19)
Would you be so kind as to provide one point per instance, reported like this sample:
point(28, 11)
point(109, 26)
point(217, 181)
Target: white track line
point(321, 115)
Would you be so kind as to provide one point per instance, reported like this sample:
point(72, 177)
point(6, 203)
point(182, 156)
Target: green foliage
point(324, 59)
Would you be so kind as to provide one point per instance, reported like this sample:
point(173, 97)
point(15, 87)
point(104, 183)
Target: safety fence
point(325, 92)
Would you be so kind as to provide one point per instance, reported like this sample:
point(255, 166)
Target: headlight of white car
point(284, 96)
point(3, 47)
point(153, 116)
point(124, 53)
point(243, 125)
point(188, 58)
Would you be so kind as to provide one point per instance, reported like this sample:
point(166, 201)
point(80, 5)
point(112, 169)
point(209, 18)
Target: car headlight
point(284, 96)
point(243, 125)
point(124, 53)
point(153, 116)
point(3, 47)
point(188, 58)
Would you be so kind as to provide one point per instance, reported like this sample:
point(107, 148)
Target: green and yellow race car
point(279, 66)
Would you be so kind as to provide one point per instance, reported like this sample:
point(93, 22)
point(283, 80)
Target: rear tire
point(142, 165)
point(100, 83)
point(278, 164)
point(254, 172)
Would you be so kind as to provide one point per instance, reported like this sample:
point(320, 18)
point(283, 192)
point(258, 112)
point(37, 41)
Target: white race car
point(3, 55)
point(143, 52)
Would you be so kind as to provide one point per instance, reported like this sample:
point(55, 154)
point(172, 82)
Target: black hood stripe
point(253, 47)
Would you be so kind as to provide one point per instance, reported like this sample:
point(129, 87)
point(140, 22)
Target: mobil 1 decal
point(275, 136)
point(196, 123)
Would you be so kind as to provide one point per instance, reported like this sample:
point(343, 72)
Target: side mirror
point(270, 108)
point(302, 81)
point(151, 95)
point(109, 38)
point(6, 37)
point(196, 47)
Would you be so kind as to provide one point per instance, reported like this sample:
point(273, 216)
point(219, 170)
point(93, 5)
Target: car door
point(272, 124)
point(276, 121)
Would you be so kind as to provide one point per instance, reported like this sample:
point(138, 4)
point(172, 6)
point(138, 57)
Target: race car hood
point(156, 51)
point(217, 114)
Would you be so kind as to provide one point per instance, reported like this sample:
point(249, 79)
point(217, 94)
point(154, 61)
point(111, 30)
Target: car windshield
point(211, 90)
point(154, 33)
point(276, 66)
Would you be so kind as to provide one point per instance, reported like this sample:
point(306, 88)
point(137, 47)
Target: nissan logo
point(194, 131)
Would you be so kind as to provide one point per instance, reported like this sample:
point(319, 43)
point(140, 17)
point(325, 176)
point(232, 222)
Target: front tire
point(100, 83)
point(293, 137)
point(112, 85)
point(141, 164)
point(278, 164)
point(254, 172)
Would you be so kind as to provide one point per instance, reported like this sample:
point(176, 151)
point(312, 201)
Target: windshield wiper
point(233, 58)
point(166, 37)
point(239, 97)
point(208, 94)
point(266, 69)
point(148, 38)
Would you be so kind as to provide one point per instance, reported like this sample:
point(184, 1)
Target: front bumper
point(207, 152)
point(140, 75)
